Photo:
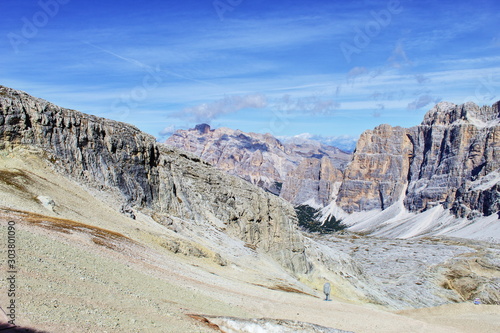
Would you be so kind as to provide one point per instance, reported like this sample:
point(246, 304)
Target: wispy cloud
point(472, 61)
point(229, 104)
point(167, 131)
point(313, 105)
point(421, 101)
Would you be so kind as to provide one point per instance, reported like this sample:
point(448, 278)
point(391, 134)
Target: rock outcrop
point(374, 177)
point(151, 177)
point(297, 171)
point(452, 159)
point(312, 182)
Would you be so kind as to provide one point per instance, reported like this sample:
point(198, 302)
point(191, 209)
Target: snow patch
point(313, 203)
point(46, 202)
point(486, 182)
point(471, 119)
point(264, 325)
point(331, 210)
point(397, 222)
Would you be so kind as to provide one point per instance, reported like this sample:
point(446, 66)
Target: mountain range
point(449, 164)
point(118, 232)
point(263, 160)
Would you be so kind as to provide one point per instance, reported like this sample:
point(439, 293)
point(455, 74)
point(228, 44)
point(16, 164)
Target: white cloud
point(167, 131)
point(229, 104)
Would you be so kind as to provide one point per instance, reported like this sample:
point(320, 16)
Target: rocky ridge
point(297, 171)
point(452, 159)
point(151, 177)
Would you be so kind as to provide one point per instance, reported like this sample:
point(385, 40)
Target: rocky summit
point(452, 160)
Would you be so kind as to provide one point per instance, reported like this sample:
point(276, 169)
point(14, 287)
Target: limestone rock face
point(452, 159)
point(265, 161)
point(456, 160)
point(311, 182)
point(152, 177)
point(376, 177)
point(251, 156)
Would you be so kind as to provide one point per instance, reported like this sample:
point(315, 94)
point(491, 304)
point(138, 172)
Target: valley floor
point(68, 284)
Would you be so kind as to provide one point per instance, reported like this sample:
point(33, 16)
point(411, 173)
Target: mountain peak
point(446, 113)
point(202, 128)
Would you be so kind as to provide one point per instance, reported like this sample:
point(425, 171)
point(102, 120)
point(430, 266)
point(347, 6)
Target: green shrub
point(308, 221)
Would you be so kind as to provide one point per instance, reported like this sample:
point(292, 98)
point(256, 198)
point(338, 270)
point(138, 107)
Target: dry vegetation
point(99, 236)
point(285, 288)
point(16, 179)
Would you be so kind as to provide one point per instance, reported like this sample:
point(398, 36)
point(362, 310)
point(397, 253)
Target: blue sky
point(331, 69)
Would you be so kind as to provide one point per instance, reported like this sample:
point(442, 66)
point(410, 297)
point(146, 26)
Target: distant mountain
point(299, 170)
point(346, 143)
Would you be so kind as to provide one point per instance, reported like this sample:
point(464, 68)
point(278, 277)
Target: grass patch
point(284, 288)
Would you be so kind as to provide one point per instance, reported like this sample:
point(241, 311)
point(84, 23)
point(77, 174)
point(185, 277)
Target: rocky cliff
point(151, 177)
point(374, 177)
point(452, 159)
point(312, 182)
point(297, 171)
